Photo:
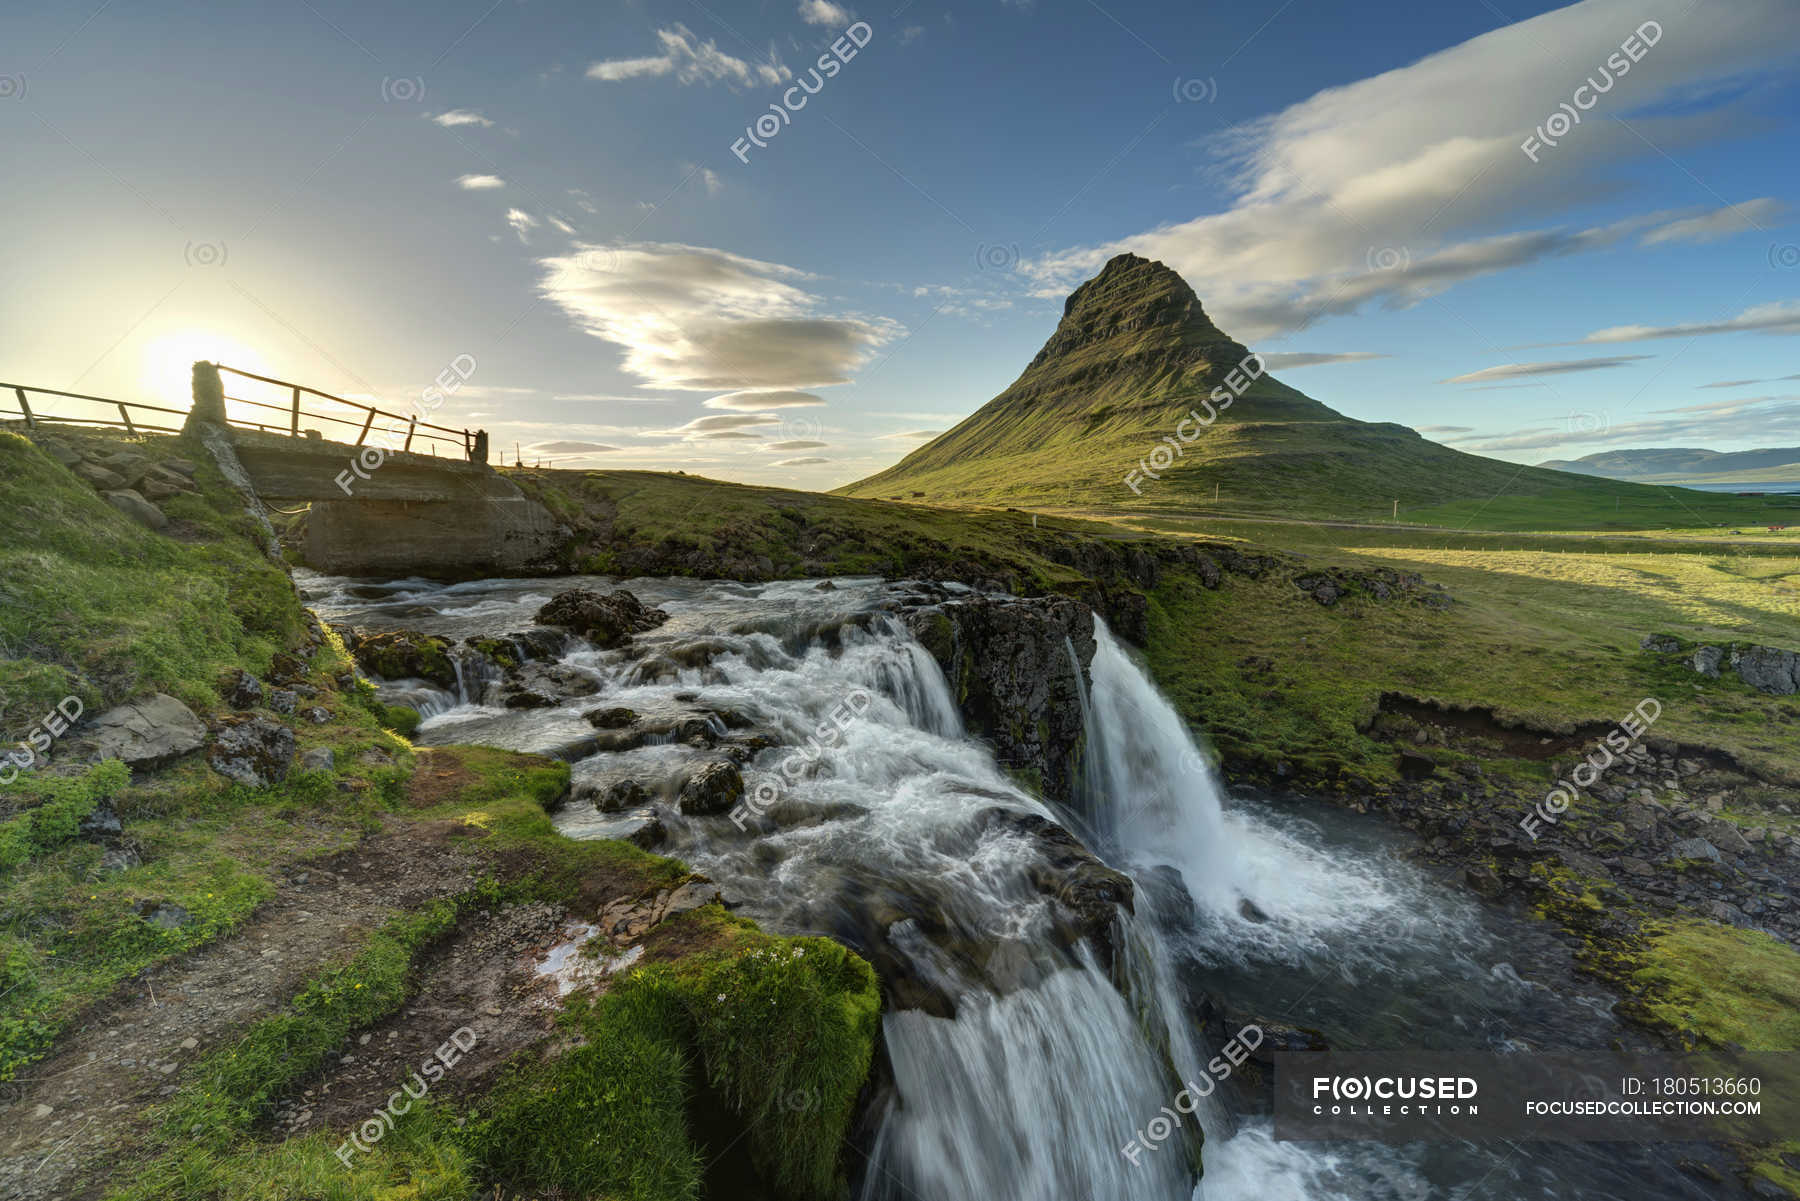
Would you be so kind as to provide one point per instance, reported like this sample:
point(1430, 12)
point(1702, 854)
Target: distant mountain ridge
point(1672, 465)
point(1132, 357)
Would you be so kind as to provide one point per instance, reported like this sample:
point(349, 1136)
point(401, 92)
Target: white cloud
point(1412, 169)
point(462, 116)
point(798, 444)
point(1778, 317)
point(1766, 424)
point(1719, 223)
point(824, 12)
point(521, 222)
point(709, 177)
point(797, 462)
point(1563, 367)
point(914, 434)
point(571, 448)
point(1289, 360)
point(753, 402)
point(561, 225)
point(691, 61)
point(479, 183)
point(700, 319)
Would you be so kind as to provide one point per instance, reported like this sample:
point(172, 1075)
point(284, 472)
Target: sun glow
point(168, 363)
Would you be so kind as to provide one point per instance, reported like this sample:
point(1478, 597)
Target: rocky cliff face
point(1019, 671)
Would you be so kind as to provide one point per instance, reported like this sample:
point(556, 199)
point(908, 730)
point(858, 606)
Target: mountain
point(1132, 357)
point(1689, 465)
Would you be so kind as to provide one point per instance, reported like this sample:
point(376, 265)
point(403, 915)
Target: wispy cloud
point(823, 12)
point(1719, 223)
point(1377, 192)
point(1564, 367)
point(1289, 360)
point(521, 222)
point(479, 183)
point(798, 462)
point(690, 60)
point(798, 444)
point(700, 319)
point(461, 116)
point(754, 402)
point(1779, 317)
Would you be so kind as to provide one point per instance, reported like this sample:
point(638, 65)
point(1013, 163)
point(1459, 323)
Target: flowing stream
point(1022, 1063)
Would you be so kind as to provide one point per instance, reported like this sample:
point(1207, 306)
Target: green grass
point(95, 606)
point(1717, 985)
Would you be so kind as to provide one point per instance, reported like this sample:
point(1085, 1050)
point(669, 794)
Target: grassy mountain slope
point(1135, 353)
point(1681, 464)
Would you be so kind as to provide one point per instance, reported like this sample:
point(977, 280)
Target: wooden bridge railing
point(22, 395)
point(361, 417)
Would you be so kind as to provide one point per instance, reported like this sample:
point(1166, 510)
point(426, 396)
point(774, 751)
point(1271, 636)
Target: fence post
point(129, 428)
point(411, 423)
point(480, 452)
point(209, 398)
point(25, 408)
point(367, 422)
point(294, 425)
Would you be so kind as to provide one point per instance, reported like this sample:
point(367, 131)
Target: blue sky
point(355, 195)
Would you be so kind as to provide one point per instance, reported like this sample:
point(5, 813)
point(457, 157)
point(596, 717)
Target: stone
point(101, 822)
point(252, 751)
point(1706, 661)
point(100, 477)
point(1722, 911)
point(145, 733)
point(642, 828)
point(164, 915)
point(1661, 644)
point(407, 655)
point(1694, 848)
point(605, 619)
point(318, 715)
point(1417, 766)
point(711, 789)
point(620, 795)
point(1726, 837)
point(318, 759)
point(137, 508)
point(611, 719)
point(1767, 669)
point(242, 690)
point(283, 700)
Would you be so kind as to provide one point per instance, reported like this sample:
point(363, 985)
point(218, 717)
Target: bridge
point(376, 506)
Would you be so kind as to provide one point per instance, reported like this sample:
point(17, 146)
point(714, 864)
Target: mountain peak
point(1131, 297)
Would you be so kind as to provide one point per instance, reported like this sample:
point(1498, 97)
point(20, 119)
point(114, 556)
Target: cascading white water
point(886, 836)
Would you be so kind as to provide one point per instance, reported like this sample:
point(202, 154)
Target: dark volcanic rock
point(252, 751)
point(1009, 665)
point(1089, 893)
point(605, 619)
point(711, 789)
point(243, 690)
point(407, 655)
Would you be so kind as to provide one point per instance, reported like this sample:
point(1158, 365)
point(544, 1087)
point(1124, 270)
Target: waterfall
point(1153, 793)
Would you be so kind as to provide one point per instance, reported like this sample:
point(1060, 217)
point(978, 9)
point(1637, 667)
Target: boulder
point(100, 477)
point(283, 700)
point(242, 690)
point(1768, 669)
point(1706, 661)
point(145, 733)
point(619, 795)
point(1693, 848)
point(407, 655)
point(320, 758)
point(164, 915)
point(605, 619)
point(1726, 836)
point(252, 751)
point(137, 508)
point(711, 789)
point(617, 718)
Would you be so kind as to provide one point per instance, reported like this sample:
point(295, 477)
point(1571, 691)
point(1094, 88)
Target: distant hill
point(1685, 465)
point(1135, 354)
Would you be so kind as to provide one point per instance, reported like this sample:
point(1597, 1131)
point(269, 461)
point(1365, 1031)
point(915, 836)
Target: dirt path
point(89, 1098)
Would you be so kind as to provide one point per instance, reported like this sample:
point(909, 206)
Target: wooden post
point(411, 422)
point(25, 408)
point(294, 426)
point(367, 422)
point(129, 428)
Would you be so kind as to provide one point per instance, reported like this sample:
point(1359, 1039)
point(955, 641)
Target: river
point(1028, 1070)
